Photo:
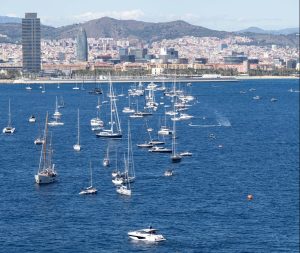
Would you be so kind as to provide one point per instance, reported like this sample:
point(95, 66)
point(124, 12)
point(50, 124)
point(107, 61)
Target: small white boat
point(145, 145)
point(32, 119)
point(123, 190)
point(156, 149)
point(147, 235)
point(164, 131)
point(256, 97)
point(274, 99)
point(115, 173)
point(28, 88)
point(55, 123)
point(128, 110)
point(186, 153)
point(105, 162)
point(76, 87)
point(39, 141)
point(90, 189)
point(96, 122)
point(168, 173)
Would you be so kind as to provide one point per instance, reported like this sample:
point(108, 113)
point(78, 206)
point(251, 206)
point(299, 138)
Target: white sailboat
point(76, 87)
point(9, 129)
point(124, 188)
point(40, 139)
point(128, 108)
point(97, 123)
point(43, 89)
point(90, 189)
point(77, 146)
point(106, 161)
point(115, 131)
point(61, 103)
point(57, 114)
point(46, 173)
point(174, 157)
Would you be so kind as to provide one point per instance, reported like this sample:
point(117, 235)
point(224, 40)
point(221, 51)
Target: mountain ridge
point(141, 30)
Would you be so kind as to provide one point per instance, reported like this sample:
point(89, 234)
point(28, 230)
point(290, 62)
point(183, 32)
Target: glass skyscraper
point(82, 46)
point(31, 43)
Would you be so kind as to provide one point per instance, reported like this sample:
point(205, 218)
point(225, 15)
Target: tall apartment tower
point(31, 43)
point(82, 46)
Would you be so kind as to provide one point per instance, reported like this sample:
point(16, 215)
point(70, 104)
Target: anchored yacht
point(147, 234)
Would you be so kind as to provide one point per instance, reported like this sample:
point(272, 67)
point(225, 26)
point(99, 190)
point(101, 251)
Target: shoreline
point(154, 79)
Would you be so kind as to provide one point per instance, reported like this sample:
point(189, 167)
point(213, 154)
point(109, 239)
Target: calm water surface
point(202, 208)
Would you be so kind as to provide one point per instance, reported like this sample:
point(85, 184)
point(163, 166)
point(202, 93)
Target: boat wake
point(195, 125)
point(222, 120)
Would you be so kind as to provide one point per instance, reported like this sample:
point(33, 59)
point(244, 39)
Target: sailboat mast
point(111, 104)
point(9, 115)
point(91, 173)
point(45, 139)
point(78, 133)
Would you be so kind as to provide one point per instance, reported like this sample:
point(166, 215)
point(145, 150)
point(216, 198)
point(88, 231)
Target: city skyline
point(227, 15)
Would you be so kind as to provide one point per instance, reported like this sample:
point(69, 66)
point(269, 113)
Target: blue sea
point(203, 207)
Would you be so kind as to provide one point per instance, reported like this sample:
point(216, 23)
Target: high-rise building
point(82, 46)
point(31, 43)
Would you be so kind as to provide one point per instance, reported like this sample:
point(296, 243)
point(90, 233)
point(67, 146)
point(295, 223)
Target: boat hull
point(44, 179)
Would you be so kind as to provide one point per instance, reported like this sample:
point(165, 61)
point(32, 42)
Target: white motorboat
point(256, 97)
point(274, 99)
point(128, 110)
point(46, 173)
point(145, 145)
point(32, 119)
point(9, 129)
point(90, 189)
point(147, 235)
point(186, 153)
point(39, 141)
point(77, 146)
point(156, 142)
point(185, 116)
point(164, 131)
point(157, 149)
point(76, 87)
point(96, 122)
point(168, 173)
point(28, 87)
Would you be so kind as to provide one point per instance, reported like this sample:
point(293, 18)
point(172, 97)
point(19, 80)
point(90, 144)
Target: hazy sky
point(226, 15)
